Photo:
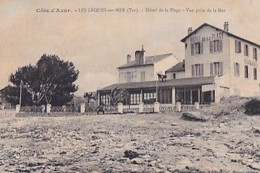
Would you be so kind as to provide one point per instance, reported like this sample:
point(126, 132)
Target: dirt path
point(159, 143)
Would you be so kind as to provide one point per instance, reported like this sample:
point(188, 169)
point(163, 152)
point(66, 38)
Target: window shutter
point(235, 46)
point(201, 48)
point(255, 54)
point(245, 74)
point(244, 50)
point(220, 46)
point(211, 46)
point(192, 49)
point(235, 70)
point(211, 69)
point(192, 70)
point(201, 70)
point(221, 68)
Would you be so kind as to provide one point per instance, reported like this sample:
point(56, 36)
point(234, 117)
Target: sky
point(98, 42)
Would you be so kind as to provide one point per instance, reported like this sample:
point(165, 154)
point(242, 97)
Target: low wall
point(52, 114)
point(119, 109)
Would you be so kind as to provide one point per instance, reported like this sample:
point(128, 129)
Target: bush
point(227, 106)
point(252, 107)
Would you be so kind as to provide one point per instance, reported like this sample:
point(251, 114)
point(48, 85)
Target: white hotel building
point(217, 64)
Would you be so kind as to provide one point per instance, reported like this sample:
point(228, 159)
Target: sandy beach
point(129, 143)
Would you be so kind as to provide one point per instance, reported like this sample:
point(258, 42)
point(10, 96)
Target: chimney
point(226, 26)
point(137, 57)
point(143, 54)
point(140, 56)
point(128, 58)
point(189, 30)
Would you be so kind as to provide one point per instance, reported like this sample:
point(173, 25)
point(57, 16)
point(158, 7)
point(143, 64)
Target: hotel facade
point(217, 64)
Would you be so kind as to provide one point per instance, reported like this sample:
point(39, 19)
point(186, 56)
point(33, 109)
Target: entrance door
point(195, 96)
point(209, 96)
point(187, 99)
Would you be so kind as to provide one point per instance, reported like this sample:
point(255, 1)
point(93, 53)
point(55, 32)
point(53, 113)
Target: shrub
point(227, 106)
point(252, 107)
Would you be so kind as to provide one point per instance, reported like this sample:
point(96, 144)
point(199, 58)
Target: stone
point(174, 124)
point(152, 163)
point(256, 130)
point(193, 116)
point(138, 161)
point(130, 154)
point(122, 160)
point(255, 166)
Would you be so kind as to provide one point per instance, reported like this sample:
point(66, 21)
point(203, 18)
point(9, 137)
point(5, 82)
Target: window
point(135, 98)
point(197, 70)
point(105, 100)
point(215, 46)
point(237, 46)
point(196, 48)
point(188, 95)
point(165, 95)
point(174, 75)
point(246, 71)
point(255, 73)
point(255, 54)
point(149, 97)
point(246, 52)
point(129, 77)
point(236, 70)
point(142, 76)
point(216, 69)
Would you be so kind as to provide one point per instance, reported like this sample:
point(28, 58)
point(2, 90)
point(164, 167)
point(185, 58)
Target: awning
point(195, 81)
point(210, 87)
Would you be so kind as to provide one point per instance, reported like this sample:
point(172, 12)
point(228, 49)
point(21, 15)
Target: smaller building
point(177, 71)
point(145, 68)
point(90, 99)
point(76, 102)
point(4, 104)
point(185, 90)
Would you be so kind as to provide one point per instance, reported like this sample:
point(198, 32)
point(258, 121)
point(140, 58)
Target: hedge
point(252, 107)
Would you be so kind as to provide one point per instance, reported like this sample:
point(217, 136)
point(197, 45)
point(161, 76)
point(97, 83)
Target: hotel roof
point(168, 83)
point(228, 33)
point(149, 60)
point(177, 68)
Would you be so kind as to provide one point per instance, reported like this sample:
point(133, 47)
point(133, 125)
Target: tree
point(50, 81)
point(118, 95)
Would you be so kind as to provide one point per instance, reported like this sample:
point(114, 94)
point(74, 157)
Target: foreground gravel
point(129, 143)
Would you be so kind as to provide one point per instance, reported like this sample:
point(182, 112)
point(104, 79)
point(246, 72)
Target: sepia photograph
point(130, 86)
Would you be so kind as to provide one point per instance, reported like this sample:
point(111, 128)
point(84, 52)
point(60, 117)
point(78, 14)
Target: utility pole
point(157, 78)
point(21, 87)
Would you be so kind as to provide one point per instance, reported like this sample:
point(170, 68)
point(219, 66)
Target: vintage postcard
point(129, 86)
